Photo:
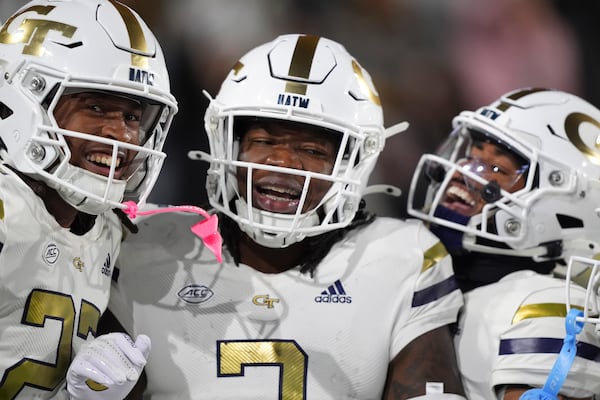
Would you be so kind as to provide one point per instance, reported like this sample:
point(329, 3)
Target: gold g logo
point(572, 124)
point(32, 32)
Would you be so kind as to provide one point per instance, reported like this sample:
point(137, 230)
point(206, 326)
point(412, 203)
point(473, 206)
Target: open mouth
point(460, 199)
point(276, 197)
point(101, 163)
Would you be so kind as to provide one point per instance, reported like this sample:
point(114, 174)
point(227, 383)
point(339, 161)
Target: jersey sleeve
point(433, 299)
point(529, 347)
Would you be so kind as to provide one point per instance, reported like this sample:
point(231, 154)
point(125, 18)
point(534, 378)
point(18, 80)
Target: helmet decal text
point(291, 100)
point(32, 32)
point(141, 76)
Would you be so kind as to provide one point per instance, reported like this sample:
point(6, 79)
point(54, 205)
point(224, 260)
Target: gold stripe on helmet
point(362, 83)
point(302, 59)
point(237, 67)
point(137, 39)
point(517, 95)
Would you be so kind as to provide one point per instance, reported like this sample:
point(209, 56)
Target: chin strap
point(563, 363)
point(205, 229)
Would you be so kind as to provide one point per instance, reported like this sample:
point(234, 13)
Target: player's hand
point(107, 367)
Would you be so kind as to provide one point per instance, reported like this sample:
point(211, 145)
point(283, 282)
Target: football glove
point(108, 367)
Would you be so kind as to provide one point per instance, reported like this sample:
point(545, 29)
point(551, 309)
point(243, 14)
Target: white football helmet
point(54, 47)
point(555, 213)
point(306, 79)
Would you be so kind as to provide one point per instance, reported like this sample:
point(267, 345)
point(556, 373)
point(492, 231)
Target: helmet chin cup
point(88, 192)
point(274, 230)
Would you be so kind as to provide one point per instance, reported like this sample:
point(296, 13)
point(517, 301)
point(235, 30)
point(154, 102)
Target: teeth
point(461, 194)
point(102, 159)
point(281, 190)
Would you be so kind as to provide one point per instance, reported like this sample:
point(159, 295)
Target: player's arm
point(428, 358)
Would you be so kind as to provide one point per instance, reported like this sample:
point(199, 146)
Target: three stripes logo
point(335, 293)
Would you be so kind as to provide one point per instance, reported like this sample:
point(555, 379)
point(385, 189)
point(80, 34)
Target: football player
point(512, 193)
point(85, 107)
point(315, 298)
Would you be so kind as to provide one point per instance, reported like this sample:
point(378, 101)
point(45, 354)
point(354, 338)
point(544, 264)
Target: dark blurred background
point(430, 59)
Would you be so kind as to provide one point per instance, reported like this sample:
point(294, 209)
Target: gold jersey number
point(40, 306)
point(234, 356)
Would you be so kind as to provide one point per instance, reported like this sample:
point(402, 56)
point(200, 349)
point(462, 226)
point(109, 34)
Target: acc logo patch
point(195, 294)
point(51, 254)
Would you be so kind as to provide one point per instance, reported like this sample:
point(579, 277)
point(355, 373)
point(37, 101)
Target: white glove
point(107, 367)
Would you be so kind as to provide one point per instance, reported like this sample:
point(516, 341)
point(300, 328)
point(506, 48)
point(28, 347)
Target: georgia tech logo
point(195, 294)
point(78, 264)
point(32, 32)
point(264, 300)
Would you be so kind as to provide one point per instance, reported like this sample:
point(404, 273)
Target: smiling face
point(491, 162)
point(289, 145)
point(103, 115)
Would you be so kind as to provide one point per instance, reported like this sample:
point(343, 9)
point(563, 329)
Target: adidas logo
point(106, 268)
point(335, 293)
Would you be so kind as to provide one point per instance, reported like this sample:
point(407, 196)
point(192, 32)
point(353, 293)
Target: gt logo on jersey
point(32, 32)
point(195, 294)
point(264, 300)
point(51, 254)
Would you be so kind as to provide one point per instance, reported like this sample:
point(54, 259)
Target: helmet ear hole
point(568, 221)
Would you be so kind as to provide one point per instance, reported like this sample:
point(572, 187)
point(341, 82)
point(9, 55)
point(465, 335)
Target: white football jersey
point(53, 287)
point(220, 331)
point(511, 331)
